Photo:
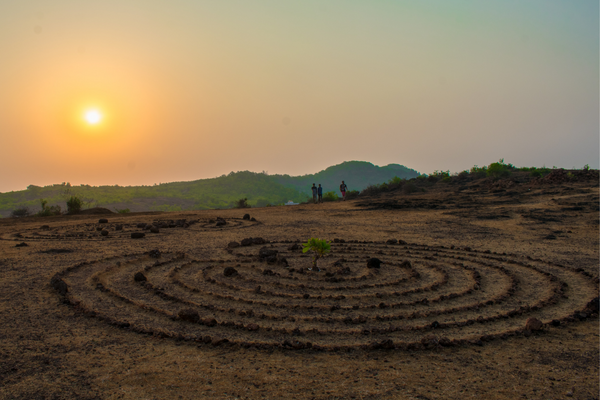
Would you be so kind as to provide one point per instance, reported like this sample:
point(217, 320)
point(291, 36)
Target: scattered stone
point(265, 253)
point(141, 225)
point(59, 285)
point(246, 217)
point(104, 232)
point(154, 253)
point(45, 227)
point(137, 235)
point(252, 327)
point(374, 263)
point(392, 241)
point(103, 221)
point(593, 305)
point(230, 271)
point(253, 219)
point(246, 242)
point(118, 227)
point(99, 228)
point(430, 341)
point(154, 229)
point(189, 315)
point(258, 240)
point(533, 324)
point(550, 237)
point(294, 247)
point(402, 241)
point(221, 222)
point(555, 322)
point(233, 245)
point(268, 272)
point(139, 277)
point(22, 244)
point(306, 296)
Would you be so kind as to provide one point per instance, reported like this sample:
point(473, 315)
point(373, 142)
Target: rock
point(246, 242)
point(139, 277)
point(118, 227)
point(555, 322)
point(246, 217)
point(59, 285)
point(154, 230)
point(253, 219)
point(137, 235)
point(430, 341)
point(294, 247)
point(189, 315)
point(265, 252)
point(533, 324)
point(233, 245)
point(374, 263)
point(99, 228)
point(210, 322)
point(306, 296)
point(221, 222)
point(401, 241)
point(103, 221)
point(45, 227)
point(392, 241)
point(252, 327)
point(593, 305)
point(154, 253)
point(230, 271)
point(268, 272)
point(22, 244)
point(258, 240)
point(344, 271)
point(405, 264)
point(104, 232)
point(141, 225)
point(550, 237)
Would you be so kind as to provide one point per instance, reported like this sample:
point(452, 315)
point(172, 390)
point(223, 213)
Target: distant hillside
point(357, 175)
point(260, 189)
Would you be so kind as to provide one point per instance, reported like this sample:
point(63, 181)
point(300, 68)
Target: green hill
point(357, 175)
point(260, 189)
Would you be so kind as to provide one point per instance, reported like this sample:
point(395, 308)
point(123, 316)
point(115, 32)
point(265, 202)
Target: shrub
point(586, 167)
point(499, 169)
point(74, 205)
point(242, 203)
point(20, 212)
point(123, 210)
point(331, 196)
point(535, 174)
point(352, 194)
point(46, 210)
point(318, 246)
point(370, 190)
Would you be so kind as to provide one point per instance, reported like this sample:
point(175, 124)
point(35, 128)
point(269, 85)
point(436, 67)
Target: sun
point(93, 116)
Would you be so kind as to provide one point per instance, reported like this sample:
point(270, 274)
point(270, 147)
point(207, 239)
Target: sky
point(193, 89)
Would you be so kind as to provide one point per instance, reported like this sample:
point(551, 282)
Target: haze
point(195, 89)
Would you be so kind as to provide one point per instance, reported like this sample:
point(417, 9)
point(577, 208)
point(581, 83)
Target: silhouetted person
point(343, 189)
point(320, 193)
point(314, 190)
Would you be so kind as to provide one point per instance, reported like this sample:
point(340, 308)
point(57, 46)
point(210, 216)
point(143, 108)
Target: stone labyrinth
point(261, 294)
point(106, 230)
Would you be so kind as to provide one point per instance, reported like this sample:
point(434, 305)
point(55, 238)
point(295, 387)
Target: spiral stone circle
point(264, 296)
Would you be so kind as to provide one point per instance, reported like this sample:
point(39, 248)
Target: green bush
point(46, 210)
point(499, 169)
point(20, 212)
point(74, 205)
point(242, 203)
point(331, 196)
point(410, 188)
point(123, 210)
point(318, 246)
point(352, 194)
point(535, 174)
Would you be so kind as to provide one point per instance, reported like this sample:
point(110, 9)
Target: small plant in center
point(319, 247)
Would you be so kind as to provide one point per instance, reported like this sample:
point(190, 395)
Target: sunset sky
point(134, 92)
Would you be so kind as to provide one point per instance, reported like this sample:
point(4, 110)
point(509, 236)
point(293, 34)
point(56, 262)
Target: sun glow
point(93, 117)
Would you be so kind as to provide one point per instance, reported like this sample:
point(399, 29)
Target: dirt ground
point(88, 316)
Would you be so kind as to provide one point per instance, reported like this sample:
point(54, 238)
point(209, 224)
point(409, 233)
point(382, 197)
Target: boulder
point(294, 247)
point(118, 227)
point(141, 225)
point(22, 244)
point(154, 230)
point(233, 245)
point(104, 232)
point(252, 327)
point(533, 324)
point(246, 217)
point(230, 271)
point(139, 277)
point(137, 235)
point(374, 263)
point(593, 305)
point(392, 241)
point(154, 253)
point(258, 240)
point(246, 242)
point(265, 253)
point(253, 219)
point(59, 285)
point(189, 315)
point(103, 221)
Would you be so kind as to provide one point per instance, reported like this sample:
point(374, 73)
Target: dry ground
point(535, 251)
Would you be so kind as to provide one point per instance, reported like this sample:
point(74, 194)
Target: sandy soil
point(443, 317)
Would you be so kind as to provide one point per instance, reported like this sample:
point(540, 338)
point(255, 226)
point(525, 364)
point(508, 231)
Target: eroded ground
point(443, 317)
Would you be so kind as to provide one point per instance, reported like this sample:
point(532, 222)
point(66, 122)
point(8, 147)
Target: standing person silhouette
point(343, 189)
point(320, 193)
point(314, 192)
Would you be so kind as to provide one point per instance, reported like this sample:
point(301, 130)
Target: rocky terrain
point(477, 288)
